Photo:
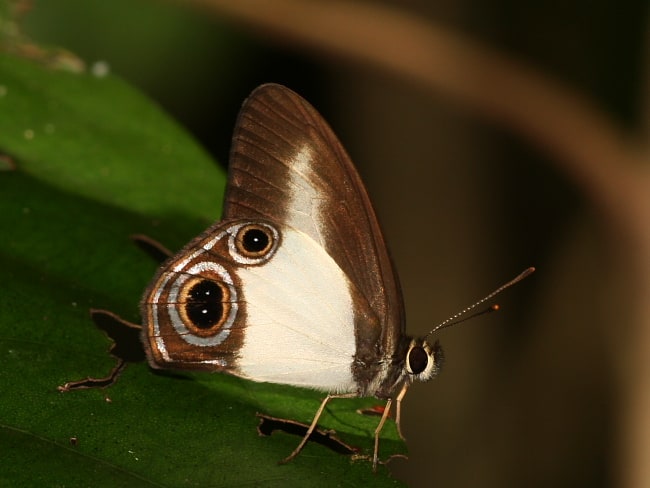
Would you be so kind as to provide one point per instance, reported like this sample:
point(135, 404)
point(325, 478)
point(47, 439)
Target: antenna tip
point(522, 275)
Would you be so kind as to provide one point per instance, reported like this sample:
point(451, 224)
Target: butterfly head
point(423, 361)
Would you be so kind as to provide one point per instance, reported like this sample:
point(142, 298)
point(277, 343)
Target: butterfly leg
point(398, 413)
point(398, 410)
point(314, 422)
point(375, 456)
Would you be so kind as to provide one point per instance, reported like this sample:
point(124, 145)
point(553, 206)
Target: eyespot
point(204, 305)
point(201, 304)
point(252, 243)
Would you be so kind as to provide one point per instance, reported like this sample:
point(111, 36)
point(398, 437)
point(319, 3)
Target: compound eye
point(417, 360)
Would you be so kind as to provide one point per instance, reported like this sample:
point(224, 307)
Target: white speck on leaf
point(100, 69)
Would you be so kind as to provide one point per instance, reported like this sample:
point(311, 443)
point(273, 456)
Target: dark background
point(529, 396)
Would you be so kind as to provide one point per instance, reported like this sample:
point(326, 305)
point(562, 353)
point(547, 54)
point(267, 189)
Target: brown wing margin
point(273, 126)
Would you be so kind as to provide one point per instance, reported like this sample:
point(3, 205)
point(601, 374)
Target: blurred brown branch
point(562, 122)
point(608, 164)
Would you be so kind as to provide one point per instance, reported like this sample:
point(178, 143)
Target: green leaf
point(95, 162)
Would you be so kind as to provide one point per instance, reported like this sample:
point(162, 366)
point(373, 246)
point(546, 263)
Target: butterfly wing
point(295, 281)
point(287, 165)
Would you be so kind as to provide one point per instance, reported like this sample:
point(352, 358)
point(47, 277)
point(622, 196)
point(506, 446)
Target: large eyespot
point(202, 304)
point(422, 361)
point(252, 243)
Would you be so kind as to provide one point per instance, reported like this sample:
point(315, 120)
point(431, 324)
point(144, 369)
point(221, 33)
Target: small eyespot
point(417, 360)
point(252, 243)
point(204, 305)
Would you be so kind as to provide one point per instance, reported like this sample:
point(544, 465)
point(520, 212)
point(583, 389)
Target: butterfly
point(295, 284)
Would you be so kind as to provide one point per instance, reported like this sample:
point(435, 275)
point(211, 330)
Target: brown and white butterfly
point(295, 284)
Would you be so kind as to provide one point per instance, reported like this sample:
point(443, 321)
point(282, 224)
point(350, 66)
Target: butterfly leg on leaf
point(314, 422)
point(380, 426)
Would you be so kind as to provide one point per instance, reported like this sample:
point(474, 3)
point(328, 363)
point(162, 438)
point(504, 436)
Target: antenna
point(454, 319)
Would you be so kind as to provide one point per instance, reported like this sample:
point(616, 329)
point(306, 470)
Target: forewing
point(287, 166)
